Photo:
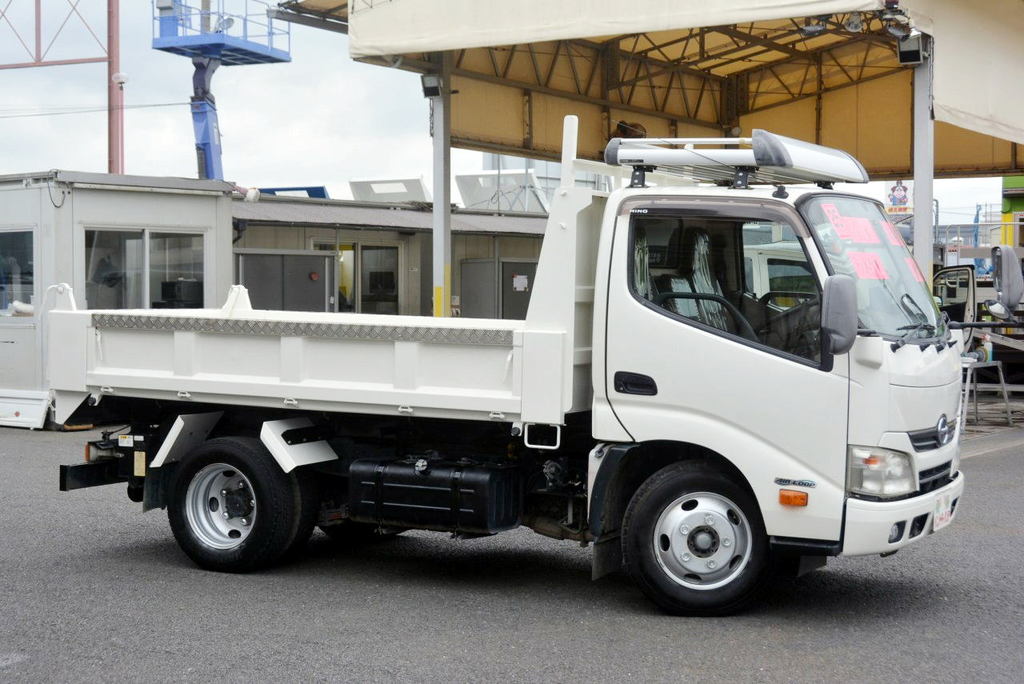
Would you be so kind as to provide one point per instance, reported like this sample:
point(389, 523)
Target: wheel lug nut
point(727, 542)
point(684, 529)
point(226, 514)
point(223, 492)
point(685, 557)
point(712, 565)
point(708, 520)
point(252, 502)
point(244, 521)
point(241, 485)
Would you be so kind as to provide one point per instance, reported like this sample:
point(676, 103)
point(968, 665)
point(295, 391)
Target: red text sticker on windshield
point(852, 228)
point(893, 234)
point(868, 266)
point(915, 269)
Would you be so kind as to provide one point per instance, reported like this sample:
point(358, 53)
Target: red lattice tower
point(25, 19)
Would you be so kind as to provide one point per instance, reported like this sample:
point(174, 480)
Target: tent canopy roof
point(823, 70)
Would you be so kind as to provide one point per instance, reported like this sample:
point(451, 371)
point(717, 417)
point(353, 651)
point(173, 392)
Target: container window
point(114, 269)
point(176, 271)
point(379, 280)
point(16, 270)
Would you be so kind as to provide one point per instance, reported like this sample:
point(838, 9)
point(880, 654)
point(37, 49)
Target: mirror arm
point(957, 325)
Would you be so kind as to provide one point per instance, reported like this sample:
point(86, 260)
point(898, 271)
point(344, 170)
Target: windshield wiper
point(919, 313)
point(923, 325)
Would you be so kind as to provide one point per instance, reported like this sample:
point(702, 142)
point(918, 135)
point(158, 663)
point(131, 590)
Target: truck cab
point(734, 367)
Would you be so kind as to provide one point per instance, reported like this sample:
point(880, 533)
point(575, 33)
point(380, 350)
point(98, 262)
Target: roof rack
point(764, 158)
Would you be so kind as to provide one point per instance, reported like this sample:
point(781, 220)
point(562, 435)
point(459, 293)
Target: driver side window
point(743, 277)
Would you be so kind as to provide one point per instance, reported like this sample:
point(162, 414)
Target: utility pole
point(115, 90)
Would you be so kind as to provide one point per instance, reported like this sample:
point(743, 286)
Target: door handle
point(635, 383)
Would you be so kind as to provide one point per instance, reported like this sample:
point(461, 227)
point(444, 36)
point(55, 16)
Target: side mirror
point(838, 318)
point(1008, 281)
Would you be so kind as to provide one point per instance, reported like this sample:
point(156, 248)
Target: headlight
point(874, 471)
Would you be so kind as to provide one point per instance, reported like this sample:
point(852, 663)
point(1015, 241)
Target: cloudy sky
point(320, 120)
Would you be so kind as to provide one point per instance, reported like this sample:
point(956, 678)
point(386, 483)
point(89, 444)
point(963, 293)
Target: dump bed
point(461, 368)
point(533, 371)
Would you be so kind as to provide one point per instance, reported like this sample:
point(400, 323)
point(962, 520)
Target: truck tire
point(232, 509)
point(309, 508)
point(694, 541)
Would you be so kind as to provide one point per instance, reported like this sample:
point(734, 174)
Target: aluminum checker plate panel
point(338, 331)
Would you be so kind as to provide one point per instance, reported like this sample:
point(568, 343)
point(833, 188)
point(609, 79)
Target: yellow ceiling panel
point(961, 150)
point(842, 88)
point(488, 113)
point(793, 120)
point(883, 123)
point(548, 114)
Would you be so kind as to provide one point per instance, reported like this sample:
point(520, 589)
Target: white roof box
point(764, 158)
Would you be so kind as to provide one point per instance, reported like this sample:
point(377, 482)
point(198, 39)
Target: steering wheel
point(794, 322)
point(742, 324)
point(768, 296)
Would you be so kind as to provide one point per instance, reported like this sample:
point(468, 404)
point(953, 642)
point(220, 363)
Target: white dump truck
point(714, 380)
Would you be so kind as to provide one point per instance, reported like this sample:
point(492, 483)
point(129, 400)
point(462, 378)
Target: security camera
point(119, 79)
point(912, 48)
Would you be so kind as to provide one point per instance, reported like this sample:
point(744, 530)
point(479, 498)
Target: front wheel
point(232, 509)
point(694, 541)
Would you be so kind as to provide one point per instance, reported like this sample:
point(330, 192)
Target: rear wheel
point(694, 541)
point(232, 509)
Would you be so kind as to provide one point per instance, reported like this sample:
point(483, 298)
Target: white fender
point(291, 456)
point(187, 433)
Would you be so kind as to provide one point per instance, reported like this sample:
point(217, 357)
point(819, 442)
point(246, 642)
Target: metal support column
point(924, 162)
point(441, 130)
point(115, 90)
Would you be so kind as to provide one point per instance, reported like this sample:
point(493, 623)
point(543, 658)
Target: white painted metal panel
point(19, 352)
point(772, 417)
point(24, 408)
point(319, 361)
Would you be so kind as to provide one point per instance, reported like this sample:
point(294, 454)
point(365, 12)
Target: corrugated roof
point(342, 213)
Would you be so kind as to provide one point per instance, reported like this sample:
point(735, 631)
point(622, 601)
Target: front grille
point(925, 440)
point(934, 478)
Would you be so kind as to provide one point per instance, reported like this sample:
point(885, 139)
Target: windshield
point(859, 241)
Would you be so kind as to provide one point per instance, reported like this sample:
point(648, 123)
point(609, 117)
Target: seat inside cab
point(745, 277)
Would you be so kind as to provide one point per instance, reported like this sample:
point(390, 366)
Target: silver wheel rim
point(220, 506)
point(702, 541)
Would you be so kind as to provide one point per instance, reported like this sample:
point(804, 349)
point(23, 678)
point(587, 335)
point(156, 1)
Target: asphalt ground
point(93, 590)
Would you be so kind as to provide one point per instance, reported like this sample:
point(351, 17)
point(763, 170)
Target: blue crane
point(215, 33)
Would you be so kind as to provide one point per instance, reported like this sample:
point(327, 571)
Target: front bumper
point(868, 523)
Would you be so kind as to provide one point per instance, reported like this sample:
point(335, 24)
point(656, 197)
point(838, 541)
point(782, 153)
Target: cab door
point(697, 353)
point(954, 289)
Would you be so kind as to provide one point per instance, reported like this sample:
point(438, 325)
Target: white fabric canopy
point(979, 54)
point(394, 27)
point(979, 63)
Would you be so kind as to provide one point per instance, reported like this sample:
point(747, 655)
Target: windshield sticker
point(868, 266)
point(915, 269)
point(854, 229)
point(894, 235)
